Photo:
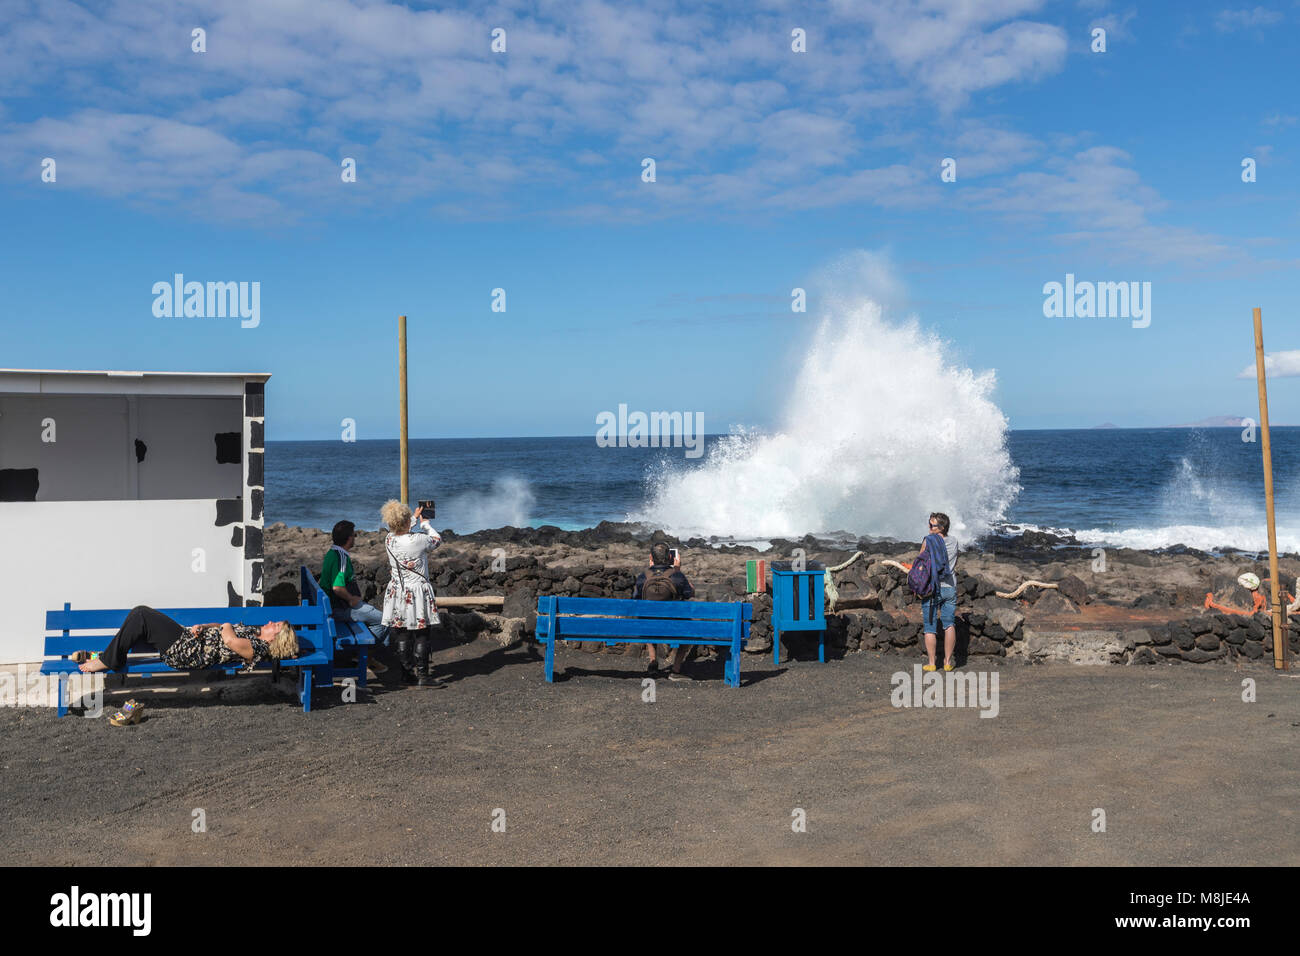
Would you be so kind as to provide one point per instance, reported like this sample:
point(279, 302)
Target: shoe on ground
point(928, 667)
point(678, 675)
point(130, 713)
point(375, 667)
point(652, 667)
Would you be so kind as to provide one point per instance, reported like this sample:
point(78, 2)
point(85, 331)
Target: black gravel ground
point(585, 771)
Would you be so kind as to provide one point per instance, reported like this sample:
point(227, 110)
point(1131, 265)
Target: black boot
point(423, 677)
point(406, 655)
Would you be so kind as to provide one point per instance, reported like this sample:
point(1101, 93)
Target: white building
point(126, 488)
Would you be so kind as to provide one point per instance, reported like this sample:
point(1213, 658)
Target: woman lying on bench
point(193, 648)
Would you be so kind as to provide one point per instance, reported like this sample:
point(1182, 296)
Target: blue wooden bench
point(343, 634)
point(314, 661)
point(618, 621)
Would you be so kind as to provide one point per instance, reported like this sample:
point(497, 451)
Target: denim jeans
point(947, 608)
point(372, 618)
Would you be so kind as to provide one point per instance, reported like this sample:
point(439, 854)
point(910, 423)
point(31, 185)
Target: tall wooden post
point(401, 374)
point(1279, 638)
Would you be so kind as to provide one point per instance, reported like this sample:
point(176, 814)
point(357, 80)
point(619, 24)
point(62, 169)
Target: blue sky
point(522, 170)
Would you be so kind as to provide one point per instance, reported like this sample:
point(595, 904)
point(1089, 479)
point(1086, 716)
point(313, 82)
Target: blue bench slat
point(623, 607)
point(718, 631)
point(60, 646)
point(151, 664)
point(139, 662)
point(650, 634)
point(112, 618)
point(648, 639)
point(352, 633)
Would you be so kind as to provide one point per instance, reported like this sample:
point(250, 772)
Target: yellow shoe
point(949, 667)
point(928, 667)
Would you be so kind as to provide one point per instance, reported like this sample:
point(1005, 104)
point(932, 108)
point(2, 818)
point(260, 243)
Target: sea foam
point(882, 426)
point(509, 501)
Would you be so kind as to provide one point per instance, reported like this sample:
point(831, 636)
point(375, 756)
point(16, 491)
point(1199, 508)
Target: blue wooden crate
point(620, 621)
point(798, 604)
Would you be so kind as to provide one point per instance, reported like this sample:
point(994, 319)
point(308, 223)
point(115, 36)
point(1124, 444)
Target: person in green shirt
point(339, 580)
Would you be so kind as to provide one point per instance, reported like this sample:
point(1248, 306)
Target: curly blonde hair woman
point(197, 647)
point(410, 608)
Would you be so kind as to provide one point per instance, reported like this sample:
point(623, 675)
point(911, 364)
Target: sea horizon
point(1145, 488)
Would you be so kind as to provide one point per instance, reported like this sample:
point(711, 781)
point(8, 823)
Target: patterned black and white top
point(409, 601)
point(205, 649)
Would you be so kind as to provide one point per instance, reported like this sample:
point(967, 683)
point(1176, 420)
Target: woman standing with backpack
point(940, 607)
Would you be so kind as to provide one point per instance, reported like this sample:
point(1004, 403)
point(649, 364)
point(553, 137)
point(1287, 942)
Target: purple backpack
point(920, 580)
point(923, 579)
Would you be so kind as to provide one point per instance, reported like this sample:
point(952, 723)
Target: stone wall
point(886, 618)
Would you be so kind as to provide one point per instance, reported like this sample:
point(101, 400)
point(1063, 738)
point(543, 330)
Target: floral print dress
point(408, 600)
point(192, 652)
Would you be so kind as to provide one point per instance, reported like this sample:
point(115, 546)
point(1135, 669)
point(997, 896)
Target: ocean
point(851, 452)
point(1141, 488)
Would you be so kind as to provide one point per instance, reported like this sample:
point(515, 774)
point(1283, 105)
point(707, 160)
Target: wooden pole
point(1279, 642)
point(401, 373)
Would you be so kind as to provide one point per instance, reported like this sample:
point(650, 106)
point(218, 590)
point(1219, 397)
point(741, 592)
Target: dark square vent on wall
point(19, 484)
point(228, 447)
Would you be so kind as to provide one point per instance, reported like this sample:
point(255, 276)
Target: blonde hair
point(285, 642)
point(396, 515)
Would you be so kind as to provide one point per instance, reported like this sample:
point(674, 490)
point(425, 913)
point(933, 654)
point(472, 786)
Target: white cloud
point(1230, 20)
point(286, 88)
point(1098, 199)
point(981, 150)
point(1276, 365)
point(1115, 25)
point(257, 125)
point(953, 48)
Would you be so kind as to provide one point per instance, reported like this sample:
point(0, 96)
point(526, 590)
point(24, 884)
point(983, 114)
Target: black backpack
point(659, 586)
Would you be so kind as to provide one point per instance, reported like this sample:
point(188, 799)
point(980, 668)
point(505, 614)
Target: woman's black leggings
point(143, 625)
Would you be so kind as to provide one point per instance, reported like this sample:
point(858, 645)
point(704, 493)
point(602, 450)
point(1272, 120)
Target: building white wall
point(107, 554)
point(93, 456)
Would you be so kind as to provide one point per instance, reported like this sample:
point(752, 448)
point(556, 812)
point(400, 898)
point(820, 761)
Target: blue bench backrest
point(615, 617)
point(798, 599)
point(342, 633)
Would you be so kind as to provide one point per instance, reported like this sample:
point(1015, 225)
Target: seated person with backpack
point(339, 580)
point(664, 581)
point(933, 578)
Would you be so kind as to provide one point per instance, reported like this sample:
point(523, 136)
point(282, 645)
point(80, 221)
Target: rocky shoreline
point(1115, 605)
